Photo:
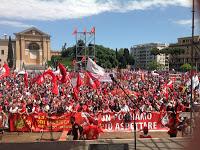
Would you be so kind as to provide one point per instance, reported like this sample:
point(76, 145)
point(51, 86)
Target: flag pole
point(192, 48)
point(94, 43)
point(76, 52)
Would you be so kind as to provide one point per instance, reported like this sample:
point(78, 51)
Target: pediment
point(32, 31)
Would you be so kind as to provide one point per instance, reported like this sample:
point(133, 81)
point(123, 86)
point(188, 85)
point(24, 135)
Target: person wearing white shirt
point(14, 108)
point(125, 108)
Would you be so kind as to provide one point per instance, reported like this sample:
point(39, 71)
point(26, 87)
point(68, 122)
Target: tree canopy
point(172, 51)
point(105, 57)
point(10, 53)
point(168, 50)
point(155, 51)
point(124, 58)
point(186, 67)
point(154, 65)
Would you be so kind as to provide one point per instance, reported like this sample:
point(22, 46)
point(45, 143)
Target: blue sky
point(119, 23)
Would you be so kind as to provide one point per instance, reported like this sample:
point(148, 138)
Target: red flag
point(81, 119)
point(53, 80)
point(78, 82)
point(4, 71)
point(165, 91)
point(170, 84)
point(40, 79)
point(84, 30)
point(63, 72)
point(96, 81)
point(50, 73)
point(26, 79)
point(75, 31)
point(92, 30)
point(55, 88)
point(88, 81)
point(75, 93)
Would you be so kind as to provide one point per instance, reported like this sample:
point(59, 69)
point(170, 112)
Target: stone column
point(18, 49)
point(44, 49)
point(48, 50)
point(22, 44)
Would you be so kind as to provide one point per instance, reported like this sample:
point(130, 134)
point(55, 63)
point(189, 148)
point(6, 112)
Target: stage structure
point(85, 47)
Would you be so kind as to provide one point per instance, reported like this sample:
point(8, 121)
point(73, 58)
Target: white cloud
point(69, 9)
point(14, 24)
point(186, 22)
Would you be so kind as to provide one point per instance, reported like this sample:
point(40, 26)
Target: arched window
point(33, 46)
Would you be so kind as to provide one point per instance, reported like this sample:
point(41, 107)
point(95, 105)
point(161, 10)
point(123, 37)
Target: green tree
point(106, 57)
point(126, 56)
point(186, 67)
point(10, 53)
point(68, 52)
point(116, 53)
point(155, 51)
point(172, 51)
point(90, 50)
point(154, 65)
point(71, 51)
point(131, 60)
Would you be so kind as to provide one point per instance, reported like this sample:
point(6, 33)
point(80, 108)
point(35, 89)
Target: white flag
point(165, 120)
point(94, 68)
point(195, 81)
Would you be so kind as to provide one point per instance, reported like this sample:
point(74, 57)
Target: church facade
point(31, 50)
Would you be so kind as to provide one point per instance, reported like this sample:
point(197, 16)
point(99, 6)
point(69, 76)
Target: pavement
point(115, 141)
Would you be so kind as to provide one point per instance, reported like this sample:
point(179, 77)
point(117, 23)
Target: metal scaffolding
point(85, 47)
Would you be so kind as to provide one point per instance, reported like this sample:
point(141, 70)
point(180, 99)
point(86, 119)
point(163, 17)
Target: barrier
point(143, 144)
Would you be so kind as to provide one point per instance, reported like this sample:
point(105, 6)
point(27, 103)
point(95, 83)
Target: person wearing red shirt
point(173, 123)
point(91, 132)
point(145, 133)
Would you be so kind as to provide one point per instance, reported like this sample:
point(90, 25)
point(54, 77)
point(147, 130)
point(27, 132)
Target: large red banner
point(116, 122)
point(110, 122)
point(39, 122)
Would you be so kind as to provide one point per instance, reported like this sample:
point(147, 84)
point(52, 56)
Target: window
point(34, 46)
point(2, 52)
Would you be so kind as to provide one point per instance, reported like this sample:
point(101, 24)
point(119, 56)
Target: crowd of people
point(149, 91)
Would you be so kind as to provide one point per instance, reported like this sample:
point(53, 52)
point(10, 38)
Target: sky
point(118, 23)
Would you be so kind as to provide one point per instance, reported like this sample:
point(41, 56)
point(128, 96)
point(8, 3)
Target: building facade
point(4, 49)
point(55, 53)
point(188, 56)
point(143, 56)
point(31, 49)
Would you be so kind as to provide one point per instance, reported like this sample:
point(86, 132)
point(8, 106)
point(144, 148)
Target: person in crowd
point(150, 93)
point(91, 132)
point(13, 108)
point(76, 130)
point(173, 125)
point(145, 133)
